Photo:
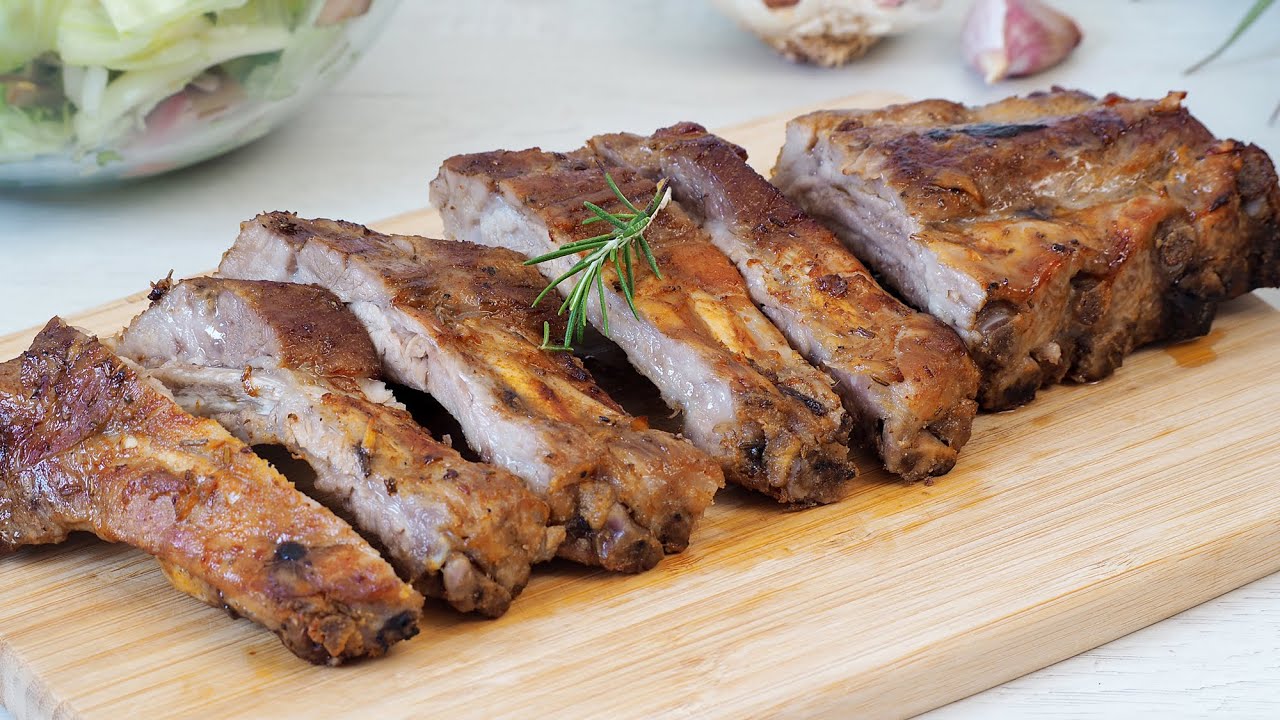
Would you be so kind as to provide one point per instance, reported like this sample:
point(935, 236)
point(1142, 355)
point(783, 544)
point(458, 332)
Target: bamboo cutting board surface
point(1091, 513)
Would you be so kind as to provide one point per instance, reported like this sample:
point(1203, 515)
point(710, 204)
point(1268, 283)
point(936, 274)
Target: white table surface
point(450, 77)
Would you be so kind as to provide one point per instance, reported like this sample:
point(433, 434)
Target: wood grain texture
point(1090, 513)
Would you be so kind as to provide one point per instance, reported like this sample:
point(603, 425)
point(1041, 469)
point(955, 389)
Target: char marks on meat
point(455, 320)
point(1055, 232)
point(279, 363)
point(89, 443)
point(772, 421)
point(905, 377)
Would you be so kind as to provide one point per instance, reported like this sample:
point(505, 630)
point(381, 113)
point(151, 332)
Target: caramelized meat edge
point(88, 443)
point(1055, 233)
point(288, 364)
point(772, 421)
point(456, 320)
point(905, 378)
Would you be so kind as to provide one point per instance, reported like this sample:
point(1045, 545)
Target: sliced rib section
point(286, 364)
point(88, 443)
point(906, 378)
point(455, 320)
point(771, 420)
point(1055, 233)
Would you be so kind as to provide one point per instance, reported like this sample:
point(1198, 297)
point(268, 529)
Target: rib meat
point(278, 363)
point(773, 421)
point(1055, 233)
point(904, 377)
point(89, 443)
point(455, 320)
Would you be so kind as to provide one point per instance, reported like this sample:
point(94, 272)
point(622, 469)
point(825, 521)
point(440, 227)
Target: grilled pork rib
point(1055, 233)
point(278, 363)
point(906, 378)
point(89, 443)
point(771, 420)
point(455, 320)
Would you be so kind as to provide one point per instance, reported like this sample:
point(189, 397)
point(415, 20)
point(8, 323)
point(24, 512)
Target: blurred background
point(451, 77)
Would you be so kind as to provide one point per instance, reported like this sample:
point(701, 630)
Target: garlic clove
point(336, 11)
point(1015, 38)
point(826, 32)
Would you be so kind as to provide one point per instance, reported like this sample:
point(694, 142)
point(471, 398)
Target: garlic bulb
point(1014, 38)
point(826, 32)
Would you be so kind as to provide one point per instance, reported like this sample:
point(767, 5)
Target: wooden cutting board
point(1091, 513)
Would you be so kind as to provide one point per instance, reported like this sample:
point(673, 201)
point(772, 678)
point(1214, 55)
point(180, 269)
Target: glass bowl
point(100, 90)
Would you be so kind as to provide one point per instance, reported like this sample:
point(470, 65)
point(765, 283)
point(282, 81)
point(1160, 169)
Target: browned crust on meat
point(85, 444)
point(624, 494)
point(790, 444)
point(458, 530)
point(496, 527)
point(649, 488)
point(905, 377)
point(1123, 222)
point(313, 329)
point(443, 281)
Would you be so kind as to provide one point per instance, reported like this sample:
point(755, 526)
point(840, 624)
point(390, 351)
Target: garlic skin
point(1014, 38)
point(826, 32)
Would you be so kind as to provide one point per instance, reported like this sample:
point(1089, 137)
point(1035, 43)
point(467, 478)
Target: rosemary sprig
point(618, 246)
point(1249, 18)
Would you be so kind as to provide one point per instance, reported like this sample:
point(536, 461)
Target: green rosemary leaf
point(546, 340)
point(620, 216)
point(607, 216)
point(604, 316)
point(616, 247)
point(659, 197)
point(570, 249)
point(1259, 7)
point(628, 282)
point(572, 299)
point(627, 258)
point(556, 283)
point(623, 198)
point(569, 328)
point(648, 255)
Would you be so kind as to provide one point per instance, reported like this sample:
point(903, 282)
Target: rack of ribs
point(90, 443)
point(773, 421)
point(905, 378)
point(1056, 233)
point(286, 364)
point(455, 320)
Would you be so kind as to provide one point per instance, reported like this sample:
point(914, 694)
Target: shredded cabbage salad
point(92, 76)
